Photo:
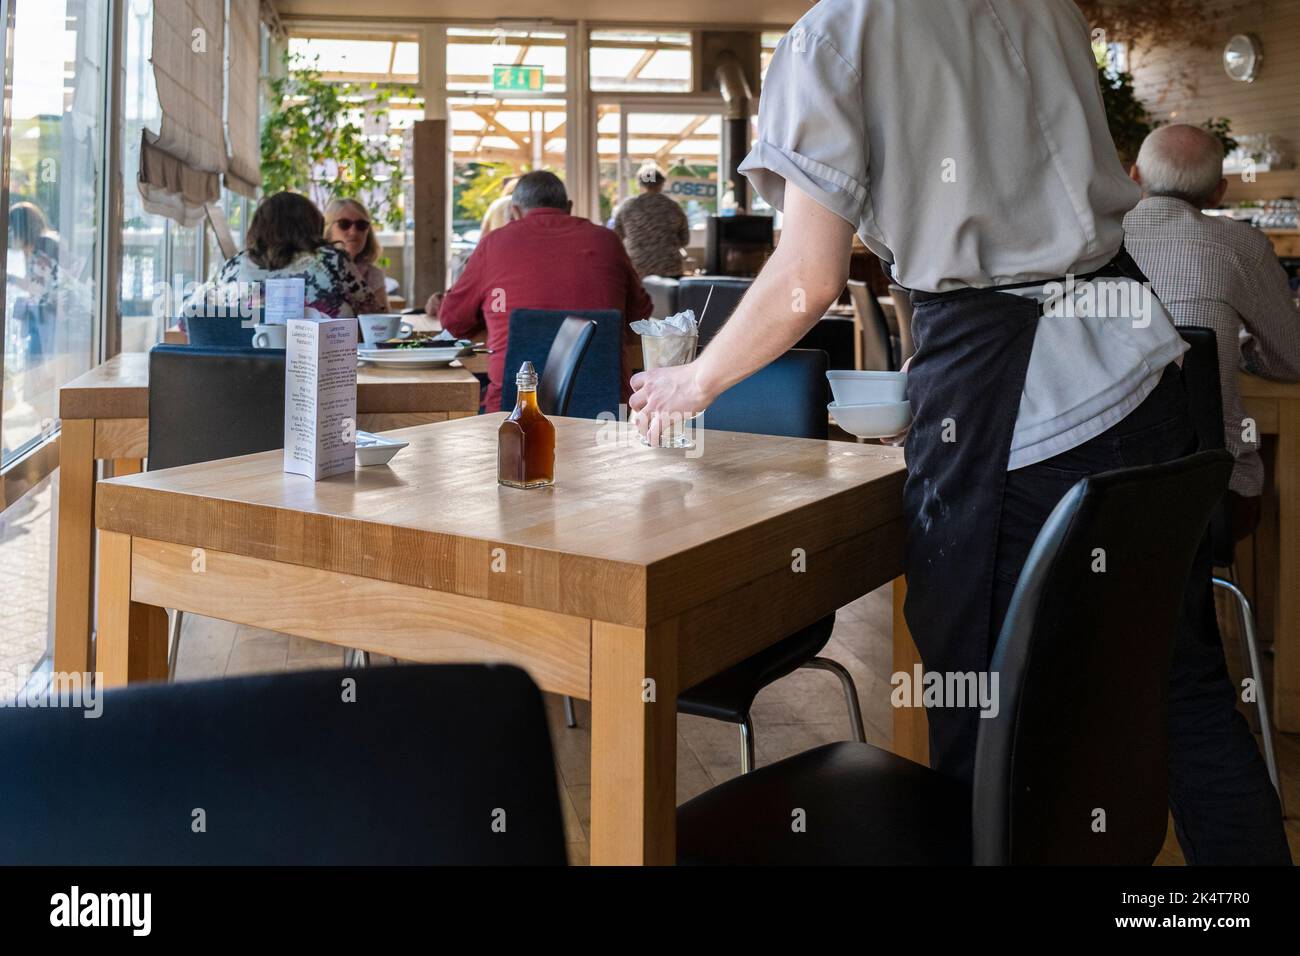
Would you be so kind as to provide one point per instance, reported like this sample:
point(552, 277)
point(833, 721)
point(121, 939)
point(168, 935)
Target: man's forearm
point(787, 299)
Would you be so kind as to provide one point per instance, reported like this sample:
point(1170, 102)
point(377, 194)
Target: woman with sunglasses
point(347, 224)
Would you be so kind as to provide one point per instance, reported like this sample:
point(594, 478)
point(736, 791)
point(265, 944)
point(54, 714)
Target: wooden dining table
point(105, 417)
point(638, 573)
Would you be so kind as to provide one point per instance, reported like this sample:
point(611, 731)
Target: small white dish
point(867, 388)
point(878, 420)
point(376, 449)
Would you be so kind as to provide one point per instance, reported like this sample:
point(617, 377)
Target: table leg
point(76, 547)
point(1286, 629)
point(633, 744)
point(132, 642)
point(911, 729)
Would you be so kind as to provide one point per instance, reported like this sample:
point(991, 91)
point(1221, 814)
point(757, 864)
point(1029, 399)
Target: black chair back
point(598, 385)
point(663, 295)
point(1072, 769)
point(555, 388)
point(693, 293)
point(788, 397)
point(211, 403)
point(375, 766)
point(1205, 402)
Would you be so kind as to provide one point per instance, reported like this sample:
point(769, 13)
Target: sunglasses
point(348, 224)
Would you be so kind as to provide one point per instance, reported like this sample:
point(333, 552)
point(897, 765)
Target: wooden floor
point(802, 711)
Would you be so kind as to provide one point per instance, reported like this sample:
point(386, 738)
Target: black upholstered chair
point(1083, 665)
point(693, 292)
point(799, 378)
point(663, 291)
point(260, 770)
point(555, 389)
point(208, 403)
point(1201, 375)
point(598, 385)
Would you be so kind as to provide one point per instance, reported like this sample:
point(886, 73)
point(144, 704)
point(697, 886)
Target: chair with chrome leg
point(1080, 723)
point(1201, 374)
point(799, 377)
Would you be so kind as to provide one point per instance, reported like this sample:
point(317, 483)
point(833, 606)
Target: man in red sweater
point(544, 258)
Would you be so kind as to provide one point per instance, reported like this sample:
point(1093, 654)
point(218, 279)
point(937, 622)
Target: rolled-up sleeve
point(811, 128)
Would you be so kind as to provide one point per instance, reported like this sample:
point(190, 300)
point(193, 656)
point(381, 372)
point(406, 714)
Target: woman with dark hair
point(285, 240)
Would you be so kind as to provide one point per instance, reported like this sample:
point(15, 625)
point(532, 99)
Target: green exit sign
point(517, 79)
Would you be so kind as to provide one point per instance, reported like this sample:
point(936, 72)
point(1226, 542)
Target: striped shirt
point(654, 230)
point(1211, 271)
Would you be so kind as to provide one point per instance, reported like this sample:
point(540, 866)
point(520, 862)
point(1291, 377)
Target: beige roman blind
point(244, 171)
point(181, 164)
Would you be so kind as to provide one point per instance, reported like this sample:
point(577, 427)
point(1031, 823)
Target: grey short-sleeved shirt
point(967, 143)
point(964, 139)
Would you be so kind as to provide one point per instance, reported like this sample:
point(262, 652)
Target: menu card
point(320, 397)
point(283, 299)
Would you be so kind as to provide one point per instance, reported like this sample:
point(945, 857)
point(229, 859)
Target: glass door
point(684, 140)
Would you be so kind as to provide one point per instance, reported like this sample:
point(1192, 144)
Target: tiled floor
point(25, 584)
point(804, 710)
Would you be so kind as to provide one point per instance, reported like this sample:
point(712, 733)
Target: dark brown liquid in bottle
point(526, 446)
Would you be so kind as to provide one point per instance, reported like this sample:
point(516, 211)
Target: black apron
point(964, 383)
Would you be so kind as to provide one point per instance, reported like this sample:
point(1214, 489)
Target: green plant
point(1127, 118)
point(481, 188)
point(313, 140)
point(1221, 127)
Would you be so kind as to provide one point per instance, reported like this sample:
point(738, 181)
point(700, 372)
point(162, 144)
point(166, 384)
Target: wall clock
point(1242, 56)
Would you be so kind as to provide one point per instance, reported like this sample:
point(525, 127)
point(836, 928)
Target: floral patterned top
point(334, 287)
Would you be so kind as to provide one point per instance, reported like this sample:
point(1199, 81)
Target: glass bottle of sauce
point(526, 439)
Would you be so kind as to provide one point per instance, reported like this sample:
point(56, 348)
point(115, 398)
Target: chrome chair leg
point(1251, 646)
point(174, 642)
point(356, 658)
point(747, 745)
point(570, 718)
point(850, 693)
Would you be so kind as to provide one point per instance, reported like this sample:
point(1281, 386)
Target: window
point(498, 134)
point(159, 257)
point(631, 61)
point(55, 166)
point(382, 60)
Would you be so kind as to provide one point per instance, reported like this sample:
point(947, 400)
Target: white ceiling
point(779, 13)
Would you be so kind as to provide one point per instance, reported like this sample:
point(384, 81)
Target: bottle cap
point(526, 379)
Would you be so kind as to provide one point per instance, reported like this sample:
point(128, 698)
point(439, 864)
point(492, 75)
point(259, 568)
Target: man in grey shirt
point(1214, 272)
point(966, 143)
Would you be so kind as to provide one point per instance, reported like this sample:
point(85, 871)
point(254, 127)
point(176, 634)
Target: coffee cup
point(381, 328)
point(269, 336)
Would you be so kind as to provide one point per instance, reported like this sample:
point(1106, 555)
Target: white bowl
point(867, 388)
point(376, 449)
point(879, 420)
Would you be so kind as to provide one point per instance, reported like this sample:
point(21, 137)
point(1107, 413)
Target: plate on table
point(375, 449)
point(429, 353)
point(414, 358)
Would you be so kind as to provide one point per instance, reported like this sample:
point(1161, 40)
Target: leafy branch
point(314, 140)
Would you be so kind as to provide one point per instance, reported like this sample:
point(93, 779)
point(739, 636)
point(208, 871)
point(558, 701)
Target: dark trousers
point(1225, 809)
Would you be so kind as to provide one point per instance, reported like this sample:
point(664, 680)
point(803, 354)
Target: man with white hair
point(1214, 272)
